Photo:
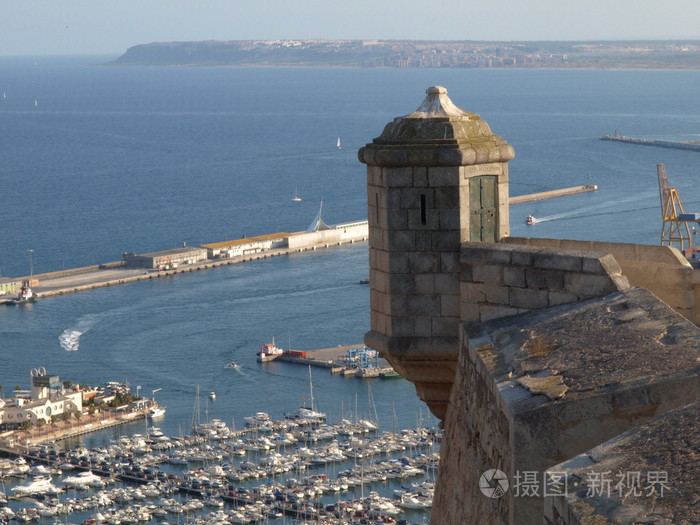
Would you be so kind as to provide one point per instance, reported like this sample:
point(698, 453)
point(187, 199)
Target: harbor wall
point(563, 192)
point(691, 146)
point(342, 233)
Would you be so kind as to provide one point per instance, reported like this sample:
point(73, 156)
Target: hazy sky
point(112, 26)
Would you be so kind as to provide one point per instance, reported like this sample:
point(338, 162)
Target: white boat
point(296, 197)
point(337, 144)
point(38, 485)
point(84, 479)
point(212, 395)
point(232, 364)
point(156, 411)
point(531, 220)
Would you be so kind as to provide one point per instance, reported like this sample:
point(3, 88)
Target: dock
point(334, 359)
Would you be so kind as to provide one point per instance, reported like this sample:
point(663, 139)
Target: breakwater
point(692, 146)
point(563, 192)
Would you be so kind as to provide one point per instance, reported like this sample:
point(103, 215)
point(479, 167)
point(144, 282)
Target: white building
point(46, 398)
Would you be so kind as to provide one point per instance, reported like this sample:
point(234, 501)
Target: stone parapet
point(660, 269)
point(500, 279)
point(540, 387)
point(646, 475)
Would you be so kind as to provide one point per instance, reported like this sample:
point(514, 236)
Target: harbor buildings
point(46, 399)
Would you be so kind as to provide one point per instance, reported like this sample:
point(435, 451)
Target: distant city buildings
point(421, 54)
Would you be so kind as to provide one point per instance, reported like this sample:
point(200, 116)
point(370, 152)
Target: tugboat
point(25, 295)
point(530, 220)
point(269, 352)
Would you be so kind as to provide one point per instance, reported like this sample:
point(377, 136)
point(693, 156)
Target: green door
point(484, 210)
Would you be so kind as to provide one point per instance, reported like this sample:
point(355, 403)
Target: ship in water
point(25, 295)
point(269, 352)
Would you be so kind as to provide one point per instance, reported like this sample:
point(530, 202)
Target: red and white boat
point(269, 352)
point(530, 220)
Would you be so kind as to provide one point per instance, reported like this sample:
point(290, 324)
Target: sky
point(50, 27)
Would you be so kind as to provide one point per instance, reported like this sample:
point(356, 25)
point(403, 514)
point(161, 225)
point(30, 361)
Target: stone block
point(398, 305)
point(445, 326)
point(486, 252)
point(449, 219)
point(469, 312)
point(447, 283)
point(544, 279)
point(449, 305)
point(420, 177)
point(528, 299)
point(487, 273)
point(472, 293)
point(378, 281)
point(411, 198)
point(489, 312)
point(390, 200)
point(446, 198)
point(401, 240)
point(522, 257)
point(415, 219)
point(548, 260)
point(401, 284)
point(423, 326)
point(424, 240)
point(513, 276)
point(397, 220)
point(441, 177)
point(449, 262)
point(445, 241)
point(585, 285)
point(398, 177)
point(424, 284)
point(557, 298)
point(423, 306)
point(397, 262)
point(601, 265)
point(424, 262)
point(400, 327)
point(495, 294)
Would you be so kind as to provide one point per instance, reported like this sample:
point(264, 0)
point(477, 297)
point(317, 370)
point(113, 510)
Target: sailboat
point(337, 144)
point(296, 197)
point(308, 415)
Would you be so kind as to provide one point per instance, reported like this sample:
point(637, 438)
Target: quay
point(338, 361)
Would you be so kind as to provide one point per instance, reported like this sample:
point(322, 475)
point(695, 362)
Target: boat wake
point(70, 337)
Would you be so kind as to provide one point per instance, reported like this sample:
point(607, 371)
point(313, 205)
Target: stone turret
point(436, 178)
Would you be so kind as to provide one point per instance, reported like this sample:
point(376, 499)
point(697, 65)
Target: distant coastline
point(640, 55)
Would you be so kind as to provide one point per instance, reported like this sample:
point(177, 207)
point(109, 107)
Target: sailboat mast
point(311, 391)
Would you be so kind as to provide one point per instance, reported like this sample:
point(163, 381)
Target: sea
point(97, 160)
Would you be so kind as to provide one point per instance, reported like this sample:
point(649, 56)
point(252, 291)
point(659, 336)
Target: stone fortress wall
point(531, 351)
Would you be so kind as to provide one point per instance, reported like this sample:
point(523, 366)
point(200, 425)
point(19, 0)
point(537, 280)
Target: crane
point(675, 230)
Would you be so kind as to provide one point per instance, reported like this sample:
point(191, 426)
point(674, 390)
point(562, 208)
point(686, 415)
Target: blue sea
point(96, 161)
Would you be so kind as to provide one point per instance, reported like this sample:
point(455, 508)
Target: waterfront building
point(246, 245)
point(47, 399)
point(165, 259)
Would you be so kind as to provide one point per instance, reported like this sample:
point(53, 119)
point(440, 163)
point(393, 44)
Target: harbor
point(268, 471)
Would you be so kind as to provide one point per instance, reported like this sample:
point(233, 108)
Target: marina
point(340, 473)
